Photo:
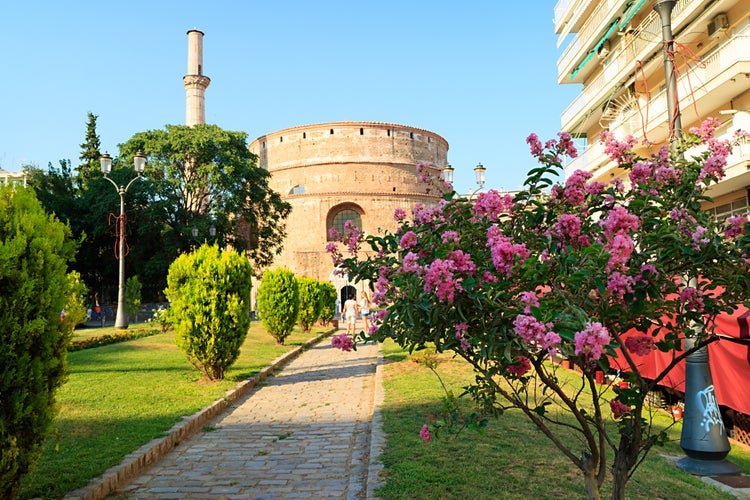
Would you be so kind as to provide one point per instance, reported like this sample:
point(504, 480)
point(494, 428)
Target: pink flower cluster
point(343, 342)
point(640, 345)
point(522, 366)
point(461, 329)
point(692, 299)
point(441, 276)
point(619, 284)
point(492, 204)
point(619, 408)
point(621, 152)
point(529, 300)
point(563, 146)
point(399, 214)
point(592, 341)
point(735, 226)
point(504, 252)
point(408, 240)
point(536, 333)
point(425, 433)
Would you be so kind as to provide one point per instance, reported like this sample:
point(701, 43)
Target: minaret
point(195, 83)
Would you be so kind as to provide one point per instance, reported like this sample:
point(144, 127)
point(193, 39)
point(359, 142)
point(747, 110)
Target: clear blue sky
point(482, 74)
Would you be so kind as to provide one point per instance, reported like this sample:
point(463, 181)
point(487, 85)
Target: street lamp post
point(479, 172)
point(139, 161)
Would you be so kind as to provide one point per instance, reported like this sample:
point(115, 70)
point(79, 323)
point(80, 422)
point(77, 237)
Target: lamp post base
point(708, 467)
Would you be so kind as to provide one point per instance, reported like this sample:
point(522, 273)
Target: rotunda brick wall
point(328, 171)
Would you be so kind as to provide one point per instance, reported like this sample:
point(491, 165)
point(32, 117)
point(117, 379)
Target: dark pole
point(703, 438)
point(664, 9)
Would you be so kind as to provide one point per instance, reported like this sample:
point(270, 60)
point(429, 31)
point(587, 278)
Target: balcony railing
point(633, 46)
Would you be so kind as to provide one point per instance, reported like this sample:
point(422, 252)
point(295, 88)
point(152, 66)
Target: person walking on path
point(364, 309)
point(305, 433)
point(351, 311)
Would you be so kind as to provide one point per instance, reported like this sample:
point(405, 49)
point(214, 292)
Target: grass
point(120, 396)
point(510, 460)
point(123, 395)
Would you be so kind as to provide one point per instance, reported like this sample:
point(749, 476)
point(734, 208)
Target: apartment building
point(615, 50)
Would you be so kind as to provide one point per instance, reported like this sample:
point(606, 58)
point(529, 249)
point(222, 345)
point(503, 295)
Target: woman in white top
point(351, 309)
point(364, 309)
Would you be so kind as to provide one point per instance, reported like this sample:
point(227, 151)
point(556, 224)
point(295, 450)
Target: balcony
point(636, 44)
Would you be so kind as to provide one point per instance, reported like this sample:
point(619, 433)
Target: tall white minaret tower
point(195, 82)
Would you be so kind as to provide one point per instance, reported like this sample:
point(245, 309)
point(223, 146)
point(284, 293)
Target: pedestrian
point(364, 309)
point(351, 310)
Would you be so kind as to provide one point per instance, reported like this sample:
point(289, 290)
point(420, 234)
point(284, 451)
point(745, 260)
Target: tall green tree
point(201, 176)
point(90, 152)
point(34, 250)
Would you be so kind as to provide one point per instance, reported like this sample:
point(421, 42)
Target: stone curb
point(135, 463)
point(377, 438)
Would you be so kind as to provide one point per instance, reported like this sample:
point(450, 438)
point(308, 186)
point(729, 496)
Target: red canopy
point(729, 363)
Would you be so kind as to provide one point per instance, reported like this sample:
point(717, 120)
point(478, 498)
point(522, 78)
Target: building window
point(304, 135)
point(338, 217)
point(361, 131)
point(331, 131)
point(734, 208)
point(298, 189)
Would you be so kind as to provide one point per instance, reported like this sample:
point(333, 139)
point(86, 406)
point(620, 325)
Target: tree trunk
point(591, 485)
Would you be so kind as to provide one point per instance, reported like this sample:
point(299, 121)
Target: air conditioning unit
point(718, 25)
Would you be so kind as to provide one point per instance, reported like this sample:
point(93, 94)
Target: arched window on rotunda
point(339, 215)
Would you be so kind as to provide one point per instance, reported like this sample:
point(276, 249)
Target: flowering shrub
point(565, 269)
point(102, 340)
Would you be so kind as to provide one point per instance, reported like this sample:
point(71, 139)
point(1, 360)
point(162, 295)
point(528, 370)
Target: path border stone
point(136, 462)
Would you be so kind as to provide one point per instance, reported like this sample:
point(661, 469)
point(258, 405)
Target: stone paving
point(307, 432)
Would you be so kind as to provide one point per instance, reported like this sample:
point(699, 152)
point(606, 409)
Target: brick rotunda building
point(339, 171)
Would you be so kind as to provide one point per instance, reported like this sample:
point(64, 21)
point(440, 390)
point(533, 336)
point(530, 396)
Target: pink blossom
point(619, 284)
point(410, 263)
point(449, 236)
point(621, 152)
point(692, 299)
point(343, 342)
point(425, 433)
point(735, 226)
point(592, 341)
point(575, 187)
point(440, 279)
point(461, 329)
point(462, 261)
point(618, 408)
point(619, 221)
point(529, 299)
point(492, 204)
point(522, 366)
point(488, 277)
point(568, 228)
point(536, 333)
point(505, 254)
point(399, 214)
point(408, 240)
point(639, 345)
point(620, 248)
point(535, 145)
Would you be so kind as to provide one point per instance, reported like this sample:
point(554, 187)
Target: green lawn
point(121, 396)
point(510, 460)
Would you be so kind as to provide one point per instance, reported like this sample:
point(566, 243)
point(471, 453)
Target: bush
point(278, 302)
point(75, 307)
point(34, 250)
point(309, 302)
point(133, 297)
point(327, 298)
point(209, 293)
